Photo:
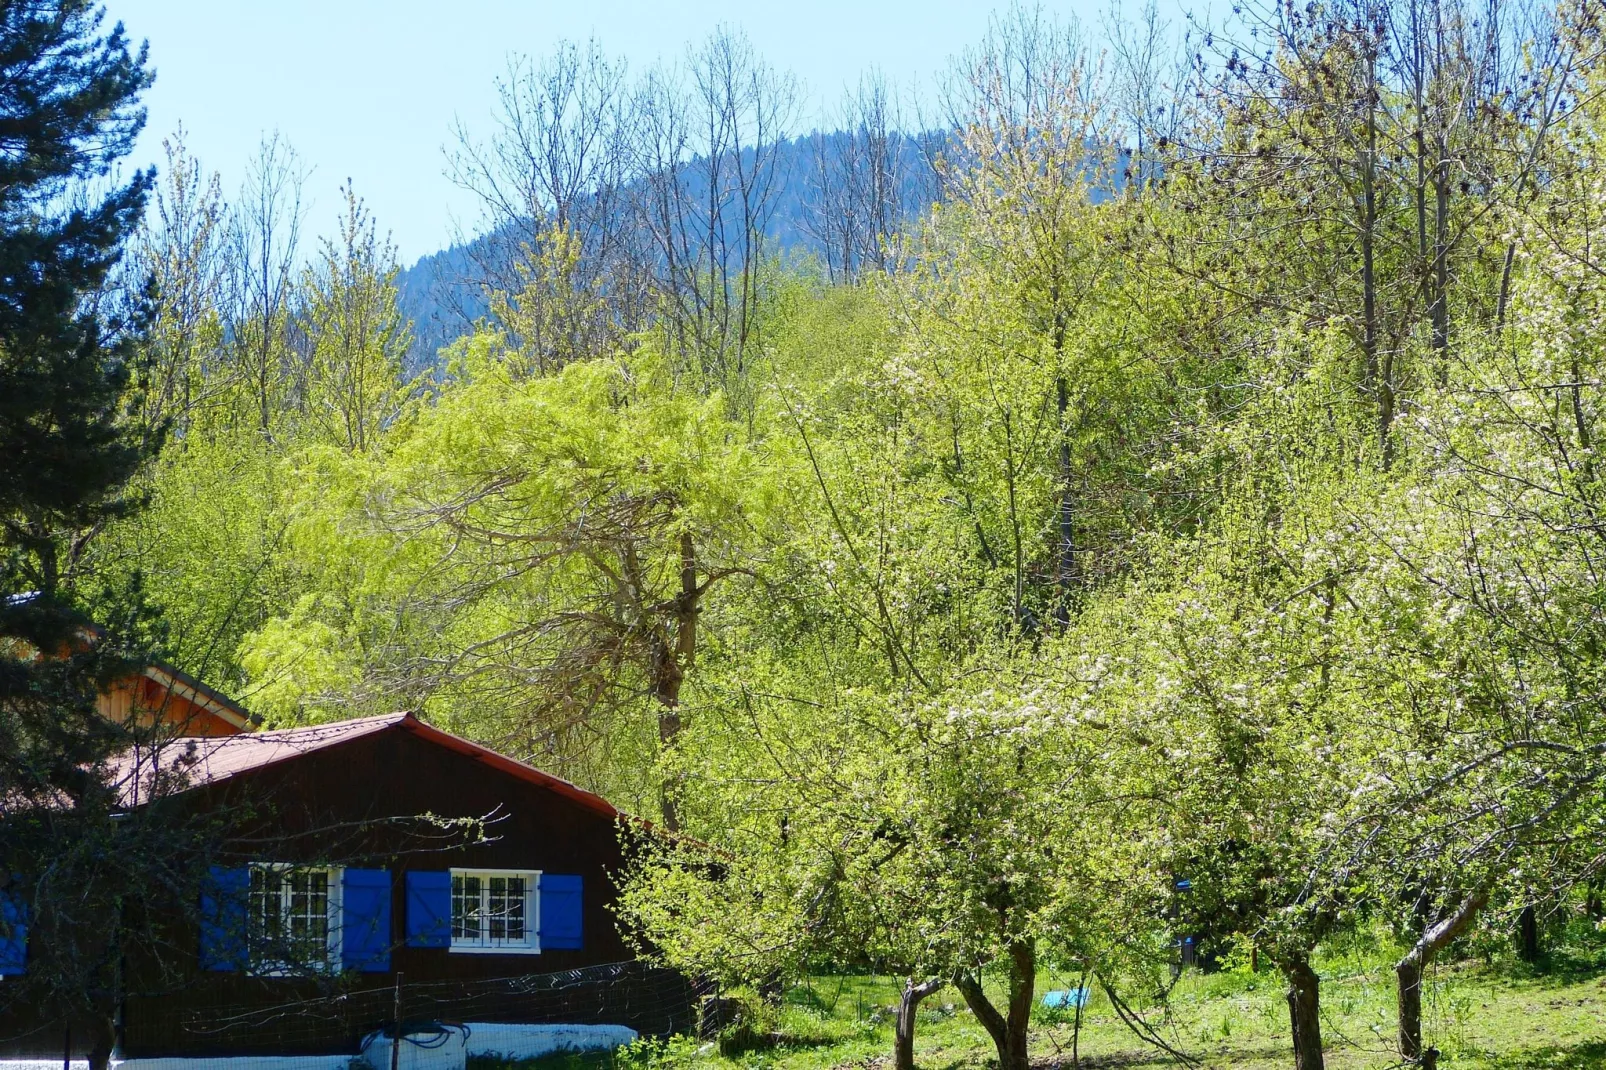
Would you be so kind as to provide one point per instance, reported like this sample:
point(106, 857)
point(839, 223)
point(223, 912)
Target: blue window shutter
point(429, 909)
point(13, 936)
point(223, 919)
point(560, 912)
point(365, 920)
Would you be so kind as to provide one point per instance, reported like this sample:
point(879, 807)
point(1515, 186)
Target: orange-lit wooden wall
point(151, 702)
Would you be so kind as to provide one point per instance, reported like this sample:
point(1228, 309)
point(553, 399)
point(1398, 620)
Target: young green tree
point(261, 262)
point(950, 842)
point(356, 335)
point(178, 254)
point(532, 559)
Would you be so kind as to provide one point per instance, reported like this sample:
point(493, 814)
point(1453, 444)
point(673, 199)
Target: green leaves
point(1146, 523)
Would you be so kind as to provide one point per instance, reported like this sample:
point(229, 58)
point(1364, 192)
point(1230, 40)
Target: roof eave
point(214, 702)
point(511, 766)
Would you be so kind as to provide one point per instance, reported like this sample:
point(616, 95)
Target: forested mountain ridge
point(1176, 513)
point(443, 293)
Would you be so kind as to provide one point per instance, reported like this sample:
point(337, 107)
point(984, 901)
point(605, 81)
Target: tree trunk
point(903, 1044)
point(1408, 985)
point(1008, 1034)
point(668, 729)
point(1441, 263)
point(1505, 285)
point(105, 1041)
point(1528, 935)
point(670, 664)
point(1304, 1012)
point(1408, 975)
point(1376, 378)
point(1067, 510)
point(1022, 985)
point(1065, 552)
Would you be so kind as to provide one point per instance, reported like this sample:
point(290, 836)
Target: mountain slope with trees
point(444, 293)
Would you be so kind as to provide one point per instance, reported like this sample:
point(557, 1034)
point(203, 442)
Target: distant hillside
point(439, 295)
point(443, 296)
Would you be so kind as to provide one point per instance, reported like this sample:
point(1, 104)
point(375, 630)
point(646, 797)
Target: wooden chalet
point(361, 854)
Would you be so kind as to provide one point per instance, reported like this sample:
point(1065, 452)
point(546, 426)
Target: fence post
point(396, 1034)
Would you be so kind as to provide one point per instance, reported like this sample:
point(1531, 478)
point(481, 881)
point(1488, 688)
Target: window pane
point(498, 913)
point(466, 913)
point(267, 911)
point(490, 910)
point(289, 911)
point(308, 912)
point(506, 909)
point(515, 909)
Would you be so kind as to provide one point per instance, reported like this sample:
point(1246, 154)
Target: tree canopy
point(1162, 503)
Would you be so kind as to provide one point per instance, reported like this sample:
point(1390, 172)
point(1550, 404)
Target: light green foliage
point(252, 373)
point(296, 655)
point(356, 336)
point(212, 548)
point(918, 838)
point(510, 563)
point(178, 257)
point(1151, 520)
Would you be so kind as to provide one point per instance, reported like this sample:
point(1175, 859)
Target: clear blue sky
point(369, 89)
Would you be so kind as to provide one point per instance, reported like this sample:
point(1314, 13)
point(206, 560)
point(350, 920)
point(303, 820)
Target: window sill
point(463, 949)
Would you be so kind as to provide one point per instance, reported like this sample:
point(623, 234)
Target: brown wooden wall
point(333, 805)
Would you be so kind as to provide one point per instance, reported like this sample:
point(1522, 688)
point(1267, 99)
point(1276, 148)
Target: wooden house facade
point(371, 861)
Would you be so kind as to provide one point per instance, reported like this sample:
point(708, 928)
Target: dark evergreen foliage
point(69, 111)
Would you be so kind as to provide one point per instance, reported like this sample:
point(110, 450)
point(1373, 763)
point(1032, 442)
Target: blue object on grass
point(1066, 997)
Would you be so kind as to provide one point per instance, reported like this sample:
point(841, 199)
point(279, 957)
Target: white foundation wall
point(240, 1062)
point(498, 1040)
point(493, 1039)
point(533, 1041)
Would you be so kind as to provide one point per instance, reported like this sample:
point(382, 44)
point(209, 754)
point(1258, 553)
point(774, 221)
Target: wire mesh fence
point(648, 1000)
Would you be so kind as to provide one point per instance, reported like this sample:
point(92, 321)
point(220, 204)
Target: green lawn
point(1497, 1016)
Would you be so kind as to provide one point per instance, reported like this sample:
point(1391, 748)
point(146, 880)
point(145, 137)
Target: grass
point(1483, 1015)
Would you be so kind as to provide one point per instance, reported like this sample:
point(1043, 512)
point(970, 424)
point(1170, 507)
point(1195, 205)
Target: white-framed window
point(496, 911)
point(295, 919)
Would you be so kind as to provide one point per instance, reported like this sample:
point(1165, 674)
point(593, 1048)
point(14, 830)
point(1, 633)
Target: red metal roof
point(193, 761)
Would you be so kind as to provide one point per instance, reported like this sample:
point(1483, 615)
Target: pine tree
point(69, 112)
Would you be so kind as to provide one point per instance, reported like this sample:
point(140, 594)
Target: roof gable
point(189, 688)
point(187, 763)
